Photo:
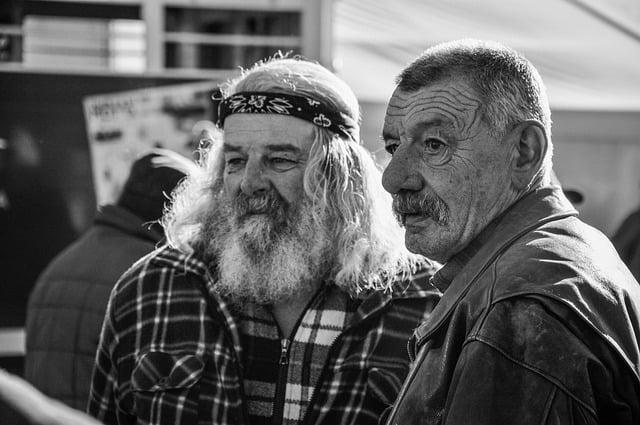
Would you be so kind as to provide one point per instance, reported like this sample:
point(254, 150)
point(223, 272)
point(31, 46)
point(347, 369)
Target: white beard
point(254, 265)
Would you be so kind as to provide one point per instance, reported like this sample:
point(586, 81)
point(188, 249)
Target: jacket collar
point(534, 209)
point(417, 286)
point(443, 277)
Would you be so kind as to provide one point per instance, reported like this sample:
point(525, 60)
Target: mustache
point(426, 205)
point(270, 203)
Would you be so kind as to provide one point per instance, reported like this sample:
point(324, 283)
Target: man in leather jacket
point(539, 321)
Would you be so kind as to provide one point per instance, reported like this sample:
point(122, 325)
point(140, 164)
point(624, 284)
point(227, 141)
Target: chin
point(415, 242)
point(422, 244)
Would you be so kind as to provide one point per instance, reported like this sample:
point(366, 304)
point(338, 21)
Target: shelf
point(170, 74)
point(11, 29)
point(175, 35)
point(232, 39)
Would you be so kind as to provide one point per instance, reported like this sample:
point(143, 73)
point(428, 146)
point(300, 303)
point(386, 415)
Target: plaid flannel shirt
point(171, 351)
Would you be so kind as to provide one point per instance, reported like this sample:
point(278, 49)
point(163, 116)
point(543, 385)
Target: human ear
point(529, 150)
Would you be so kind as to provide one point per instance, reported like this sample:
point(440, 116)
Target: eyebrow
point(231, 148)
point(422, 125)
point(283, 147)
point(386, 135)
point(272, 148)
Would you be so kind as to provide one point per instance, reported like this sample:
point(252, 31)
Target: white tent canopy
point(586, 61)
point(589, 62)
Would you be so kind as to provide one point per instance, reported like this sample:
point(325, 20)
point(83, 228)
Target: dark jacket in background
point(67, 306)
point(539, 325)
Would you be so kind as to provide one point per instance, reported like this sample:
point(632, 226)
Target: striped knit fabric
point(304, 359)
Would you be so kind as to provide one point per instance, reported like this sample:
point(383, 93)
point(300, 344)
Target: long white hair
point(341, 180)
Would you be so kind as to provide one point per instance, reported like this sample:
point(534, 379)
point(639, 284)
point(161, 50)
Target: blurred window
point(226, 39)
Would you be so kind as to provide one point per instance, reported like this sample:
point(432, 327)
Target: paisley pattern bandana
point(302, 107)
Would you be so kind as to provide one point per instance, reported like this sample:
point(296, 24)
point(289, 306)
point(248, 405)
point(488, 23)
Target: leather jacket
point(539, 325)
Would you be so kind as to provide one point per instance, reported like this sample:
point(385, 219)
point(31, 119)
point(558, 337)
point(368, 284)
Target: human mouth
point(416, 221)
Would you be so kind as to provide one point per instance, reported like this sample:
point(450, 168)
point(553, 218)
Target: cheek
point(290, 187)
point(491, 179)
point(474, 181)
point(231, 183)
point(456, 188)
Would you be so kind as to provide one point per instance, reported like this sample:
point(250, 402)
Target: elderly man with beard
point(539, 320)
point(285, 294)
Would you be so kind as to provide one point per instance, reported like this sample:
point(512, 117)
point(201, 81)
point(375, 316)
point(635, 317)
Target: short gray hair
point(509, 86)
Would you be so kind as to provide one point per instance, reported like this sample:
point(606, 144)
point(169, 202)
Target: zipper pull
point(284, 351)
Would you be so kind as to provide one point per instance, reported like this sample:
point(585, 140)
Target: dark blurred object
point(34, 222)
point(627, 242)
point(67, 305)
point(574, 196)
point(11, 14)
point(22, 404)
point(148, 186)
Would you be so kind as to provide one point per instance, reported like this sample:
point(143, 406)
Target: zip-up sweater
point(170, 351)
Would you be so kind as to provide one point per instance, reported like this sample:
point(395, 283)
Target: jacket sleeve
point(103, 400)
point(488, 387)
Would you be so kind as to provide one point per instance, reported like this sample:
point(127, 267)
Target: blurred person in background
point(539, 319)
point(285, 294)
point(66, 307)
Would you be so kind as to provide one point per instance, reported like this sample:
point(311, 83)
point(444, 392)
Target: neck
point(541, 179)
point(288, 312)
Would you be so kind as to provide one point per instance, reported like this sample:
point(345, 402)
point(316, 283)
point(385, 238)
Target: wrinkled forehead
point(453, 103)
point(245, 131)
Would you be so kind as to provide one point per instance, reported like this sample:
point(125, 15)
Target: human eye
point(234, 163)
point(391, 146)
point(434, 145)
point(282, 163)
point(436, 150)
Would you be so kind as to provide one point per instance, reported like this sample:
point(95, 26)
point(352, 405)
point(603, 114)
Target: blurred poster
point(122, 126)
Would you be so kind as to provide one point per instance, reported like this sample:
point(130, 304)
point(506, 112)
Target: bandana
point(302, 107)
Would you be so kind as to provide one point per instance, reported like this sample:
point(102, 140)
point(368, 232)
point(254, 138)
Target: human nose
point(253, 180)
point(401, 173)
